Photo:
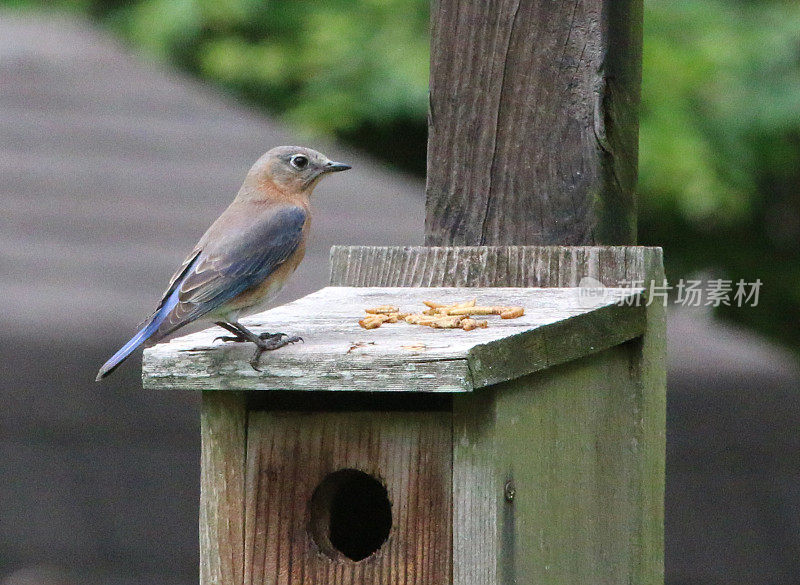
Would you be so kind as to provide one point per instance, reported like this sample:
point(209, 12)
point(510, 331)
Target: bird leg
point(264, 341)
point(237, 334)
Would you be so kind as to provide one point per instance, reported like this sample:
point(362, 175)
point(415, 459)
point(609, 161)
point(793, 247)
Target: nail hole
point(350, 514)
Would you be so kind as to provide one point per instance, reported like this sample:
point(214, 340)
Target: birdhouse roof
point(559, 325)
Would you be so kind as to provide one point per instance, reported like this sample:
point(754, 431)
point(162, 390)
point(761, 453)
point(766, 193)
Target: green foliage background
point(720, 121)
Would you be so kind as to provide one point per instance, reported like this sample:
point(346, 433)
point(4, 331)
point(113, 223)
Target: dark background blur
point(126, 127)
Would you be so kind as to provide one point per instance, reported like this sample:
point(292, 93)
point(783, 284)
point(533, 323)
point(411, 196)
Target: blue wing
point(217, 271)
point(235, 264)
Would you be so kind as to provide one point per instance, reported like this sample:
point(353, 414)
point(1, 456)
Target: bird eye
point(299, 161)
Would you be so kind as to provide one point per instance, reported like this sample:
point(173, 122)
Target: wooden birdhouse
point(529, 451)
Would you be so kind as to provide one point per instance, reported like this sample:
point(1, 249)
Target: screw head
point(509, 491)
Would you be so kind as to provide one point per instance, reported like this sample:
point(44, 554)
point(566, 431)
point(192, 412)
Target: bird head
point(293, 169)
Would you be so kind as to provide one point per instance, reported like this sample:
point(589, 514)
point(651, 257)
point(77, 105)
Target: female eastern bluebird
point(246, 255)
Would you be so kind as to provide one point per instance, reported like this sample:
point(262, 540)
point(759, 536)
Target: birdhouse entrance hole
point(350, 514)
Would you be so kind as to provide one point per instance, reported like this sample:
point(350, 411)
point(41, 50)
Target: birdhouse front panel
point(348, 497)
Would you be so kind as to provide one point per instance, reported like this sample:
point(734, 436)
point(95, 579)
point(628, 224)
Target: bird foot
point(242, 339)
point(271, 342)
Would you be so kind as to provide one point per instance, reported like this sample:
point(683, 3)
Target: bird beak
point(335, 167)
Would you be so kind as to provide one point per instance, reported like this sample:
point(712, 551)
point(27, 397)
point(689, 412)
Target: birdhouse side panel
point(575, 449)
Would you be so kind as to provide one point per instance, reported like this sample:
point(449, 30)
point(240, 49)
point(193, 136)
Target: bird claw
point(271, 342)
point(254, 360)
point(235, 338)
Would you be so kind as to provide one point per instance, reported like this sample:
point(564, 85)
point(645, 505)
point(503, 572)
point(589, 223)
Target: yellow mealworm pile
point(440, 315)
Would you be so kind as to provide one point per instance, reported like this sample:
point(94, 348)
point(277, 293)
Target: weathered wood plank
point(483, 266)
point(533, 122)
point(289, 455)
point(222, 422)
point(477, 492)
point(560, 342)
point(651, 390)
point(572, 441)
point(340, 355)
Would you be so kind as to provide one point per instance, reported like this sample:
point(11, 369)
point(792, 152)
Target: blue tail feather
point(143, 335)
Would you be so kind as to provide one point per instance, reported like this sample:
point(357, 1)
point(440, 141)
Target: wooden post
point(533, 131)
point(533, 122)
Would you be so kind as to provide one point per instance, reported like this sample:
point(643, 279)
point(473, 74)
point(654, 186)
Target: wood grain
point(482, 266)
point(222, 422)
point(533, 122)
point(289, 454)
point(340, 355)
